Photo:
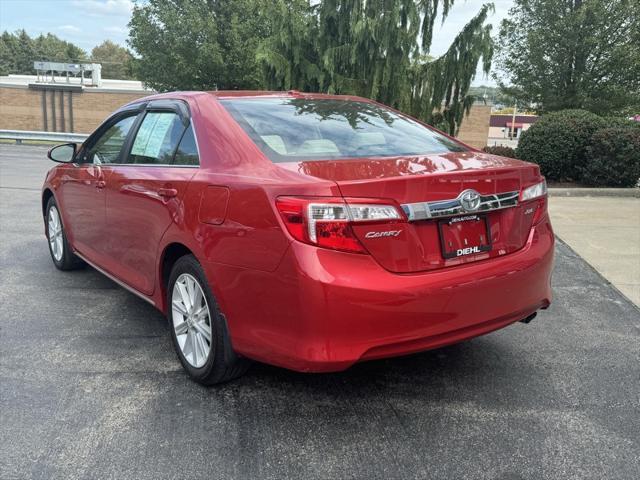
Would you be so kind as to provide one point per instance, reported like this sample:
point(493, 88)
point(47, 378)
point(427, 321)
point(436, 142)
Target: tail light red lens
point(326, 221)
point(338, 236)
point(541, 209)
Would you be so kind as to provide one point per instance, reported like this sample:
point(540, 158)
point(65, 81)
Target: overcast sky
point(88, 23)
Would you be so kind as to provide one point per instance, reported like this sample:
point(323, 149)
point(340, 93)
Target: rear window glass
point(288, 129)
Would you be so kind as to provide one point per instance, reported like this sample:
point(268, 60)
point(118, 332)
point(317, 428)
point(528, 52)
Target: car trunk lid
point(438, 233)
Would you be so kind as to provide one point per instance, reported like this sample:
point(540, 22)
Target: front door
point(144, 195)
point(83, 187)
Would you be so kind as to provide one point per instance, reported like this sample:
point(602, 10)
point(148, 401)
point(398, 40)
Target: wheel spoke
point(194, 347)
point(184, 295)
point(181, 328)
point(191, 289)
point(201, 313)
point(202, 346)
point(204, 330)
point(180, 307)
point(197, 297)
point(186, 349)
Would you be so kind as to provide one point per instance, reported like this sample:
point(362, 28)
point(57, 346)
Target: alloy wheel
point(191, 320)
point(55, 234)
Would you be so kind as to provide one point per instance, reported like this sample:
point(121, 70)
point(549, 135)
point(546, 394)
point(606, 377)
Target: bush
point(500, 150)
point(620, 122)
point(557, 142)
point(613, 158)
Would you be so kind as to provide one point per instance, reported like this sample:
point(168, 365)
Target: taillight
point(326, 221)
point(538, 193)
point(534, 191)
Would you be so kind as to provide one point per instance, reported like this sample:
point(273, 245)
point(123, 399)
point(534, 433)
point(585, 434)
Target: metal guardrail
point(55, 137)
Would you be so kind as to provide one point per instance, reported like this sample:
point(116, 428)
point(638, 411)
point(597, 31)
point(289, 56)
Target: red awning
point(515, 125)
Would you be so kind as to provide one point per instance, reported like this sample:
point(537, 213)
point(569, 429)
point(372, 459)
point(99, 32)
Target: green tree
point(18, 51)
point(289, 57)
point(7, 54)
point(51, 48)
point(242, 25)
point(115, 60)
point(438, 91)
point(376, 49)
point(559, 54)
point(198, 44)
point(23, 53)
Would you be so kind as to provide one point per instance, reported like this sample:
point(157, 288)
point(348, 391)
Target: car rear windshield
point(292, 129)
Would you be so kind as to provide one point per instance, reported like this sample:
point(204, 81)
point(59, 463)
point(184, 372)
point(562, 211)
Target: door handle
point(167, 192)
point(101, 184)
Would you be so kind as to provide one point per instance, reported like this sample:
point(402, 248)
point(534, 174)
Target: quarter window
point(107, 148)
point(187, 153)
point(157, 139)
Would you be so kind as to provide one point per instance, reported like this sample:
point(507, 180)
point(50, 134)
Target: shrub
point(500, 150)
point(620, 122)
point(613, 158)
point(557, 142)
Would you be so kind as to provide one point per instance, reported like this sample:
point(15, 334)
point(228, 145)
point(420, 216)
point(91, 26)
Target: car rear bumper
point(323, 310)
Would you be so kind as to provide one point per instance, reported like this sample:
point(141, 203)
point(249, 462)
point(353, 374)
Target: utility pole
point(513, 119)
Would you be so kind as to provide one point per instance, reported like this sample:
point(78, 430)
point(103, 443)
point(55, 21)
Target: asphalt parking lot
point(91, 388)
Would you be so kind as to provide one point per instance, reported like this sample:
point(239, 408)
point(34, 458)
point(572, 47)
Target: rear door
point(144, 193)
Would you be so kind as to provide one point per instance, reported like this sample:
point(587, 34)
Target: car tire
point(193, 329)
point(59, 248)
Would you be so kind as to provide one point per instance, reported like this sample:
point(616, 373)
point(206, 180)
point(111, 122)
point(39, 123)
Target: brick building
point(474, 129)
point(61, 107)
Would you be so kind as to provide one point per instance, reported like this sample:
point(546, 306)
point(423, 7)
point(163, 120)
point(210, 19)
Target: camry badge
point(469, 200)
point(390, 233)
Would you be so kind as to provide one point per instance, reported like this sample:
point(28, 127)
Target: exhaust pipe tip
point(529, 318)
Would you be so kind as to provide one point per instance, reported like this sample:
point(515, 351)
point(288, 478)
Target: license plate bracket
point(466, 235)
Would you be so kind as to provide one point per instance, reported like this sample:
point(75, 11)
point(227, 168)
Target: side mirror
point(63, 153)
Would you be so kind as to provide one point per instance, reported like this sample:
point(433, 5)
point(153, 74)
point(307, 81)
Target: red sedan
point(301, 230)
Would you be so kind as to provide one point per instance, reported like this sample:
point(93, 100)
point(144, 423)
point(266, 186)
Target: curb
point(595, 192)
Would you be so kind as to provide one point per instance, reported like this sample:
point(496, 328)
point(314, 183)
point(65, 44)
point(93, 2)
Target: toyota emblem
point(469, 200)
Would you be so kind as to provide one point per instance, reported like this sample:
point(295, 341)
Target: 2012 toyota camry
point(301, 230)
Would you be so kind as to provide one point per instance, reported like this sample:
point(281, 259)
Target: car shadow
point(436, 374)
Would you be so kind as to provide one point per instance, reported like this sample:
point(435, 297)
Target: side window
point(157, 139)
point(187, 153)
point(107, 148)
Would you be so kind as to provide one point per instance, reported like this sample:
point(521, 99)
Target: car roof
point(248, 94)
point(227, 94)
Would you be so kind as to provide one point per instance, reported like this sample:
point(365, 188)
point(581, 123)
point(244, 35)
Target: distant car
point(301, 230)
